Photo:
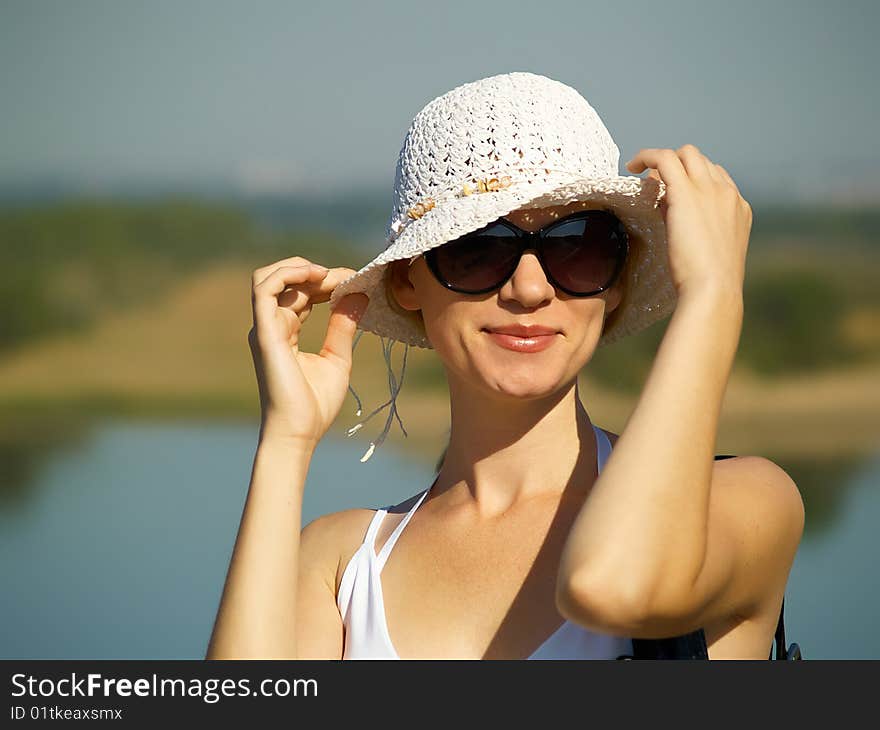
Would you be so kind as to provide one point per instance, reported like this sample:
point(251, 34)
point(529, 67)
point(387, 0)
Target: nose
point(529, 284)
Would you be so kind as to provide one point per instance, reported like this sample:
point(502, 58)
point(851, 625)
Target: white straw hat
point(492, 146)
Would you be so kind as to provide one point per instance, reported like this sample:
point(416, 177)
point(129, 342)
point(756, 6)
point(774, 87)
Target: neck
point(504, 449)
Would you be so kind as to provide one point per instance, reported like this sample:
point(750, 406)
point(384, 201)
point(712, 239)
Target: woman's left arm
point(668, 542)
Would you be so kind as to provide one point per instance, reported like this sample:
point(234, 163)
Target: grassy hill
point(143, 308)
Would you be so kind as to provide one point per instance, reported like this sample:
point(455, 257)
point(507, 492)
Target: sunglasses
point(581, 254)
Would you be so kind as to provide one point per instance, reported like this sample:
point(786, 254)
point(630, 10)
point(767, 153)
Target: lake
point(114, 544)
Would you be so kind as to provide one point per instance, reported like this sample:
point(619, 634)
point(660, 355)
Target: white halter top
point(362, 607)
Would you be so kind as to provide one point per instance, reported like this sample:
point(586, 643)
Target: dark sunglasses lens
point(478, 261)
point(584, 254)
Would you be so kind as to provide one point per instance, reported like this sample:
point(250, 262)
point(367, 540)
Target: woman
point(536, 539)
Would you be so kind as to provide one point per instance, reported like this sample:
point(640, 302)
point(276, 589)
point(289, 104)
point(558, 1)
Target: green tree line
point(66, 264)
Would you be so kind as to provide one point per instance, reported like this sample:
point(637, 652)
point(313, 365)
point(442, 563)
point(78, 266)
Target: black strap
point(792, 652)
point(687, 646)
point(779, 638)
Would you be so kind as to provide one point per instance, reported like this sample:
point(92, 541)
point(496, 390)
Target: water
point(117, 545)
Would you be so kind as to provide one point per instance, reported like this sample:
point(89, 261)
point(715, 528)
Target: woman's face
point(457, 324)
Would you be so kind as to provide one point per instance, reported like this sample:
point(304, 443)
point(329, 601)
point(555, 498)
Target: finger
point(304, 313)
point(715, 174)
point(315, 291)
point(265, 294)
point(261, 273)
point(342, 326)
point(726, 176)
point(696, 164)
point(666, 162)
point(291, 276)
point(296, 317)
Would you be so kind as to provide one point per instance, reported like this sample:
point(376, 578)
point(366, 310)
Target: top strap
point(389, 543)
point(370, 536)
point(603, 447)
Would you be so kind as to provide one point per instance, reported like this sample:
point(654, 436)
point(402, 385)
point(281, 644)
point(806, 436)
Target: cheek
point(453, 327)
point(583, 328)
point(586, 330)
point(449, 325)
point(445, 314)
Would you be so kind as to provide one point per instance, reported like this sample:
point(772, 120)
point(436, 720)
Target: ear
point(614, 296)
point(613, 299)
point(400, 288)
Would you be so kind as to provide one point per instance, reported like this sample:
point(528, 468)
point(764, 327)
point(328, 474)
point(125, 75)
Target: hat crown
point(519, 124)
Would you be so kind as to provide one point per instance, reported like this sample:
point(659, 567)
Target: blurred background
point(153, 154)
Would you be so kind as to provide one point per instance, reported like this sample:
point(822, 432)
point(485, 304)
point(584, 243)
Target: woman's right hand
point(301, 393)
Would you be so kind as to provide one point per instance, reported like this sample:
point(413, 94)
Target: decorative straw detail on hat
point(419, 209)
point(485, 184)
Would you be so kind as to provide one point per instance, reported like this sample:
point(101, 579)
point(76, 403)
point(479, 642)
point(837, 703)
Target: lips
point(525, 331)
point(521, 338)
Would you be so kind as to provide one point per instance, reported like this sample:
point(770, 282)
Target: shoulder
point(759, 507)
point(762, 493)
point(328, 541)
point(756, 509)
point(753, 484)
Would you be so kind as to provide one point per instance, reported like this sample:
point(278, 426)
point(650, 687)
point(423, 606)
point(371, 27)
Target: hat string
point(394, 386)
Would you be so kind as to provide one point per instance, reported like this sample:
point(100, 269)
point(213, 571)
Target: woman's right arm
point(301, 394)
point(257, 618)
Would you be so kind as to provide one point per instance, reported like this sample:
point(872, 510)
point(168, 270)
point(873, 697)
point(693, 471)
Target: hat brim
point(648, 291)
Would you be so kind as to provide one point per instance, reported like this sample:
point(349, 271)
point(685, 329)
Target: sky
point(316, 97)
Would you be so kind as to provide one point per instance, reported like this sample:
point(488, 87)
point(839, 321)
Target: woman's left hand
point(707, 220)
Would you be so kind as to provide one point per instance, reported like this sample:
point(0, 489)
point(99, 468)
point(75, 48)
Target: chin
point(524, 382)
point(528, 391)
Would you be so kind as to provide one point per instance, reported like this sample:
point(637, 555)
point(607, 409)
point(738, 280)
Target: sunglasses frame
point(534, 241)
